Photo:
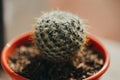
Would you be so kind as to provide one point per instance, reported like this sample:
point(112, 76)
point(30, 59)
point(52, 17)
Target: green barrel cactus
point(59, 35)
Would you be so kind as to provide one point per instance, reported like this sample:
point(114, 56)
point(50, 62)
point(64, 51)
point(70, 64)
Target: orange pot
point(25, 38)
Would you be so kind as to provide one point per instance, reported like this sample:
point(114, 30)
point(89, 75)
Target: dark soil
point(27, 62)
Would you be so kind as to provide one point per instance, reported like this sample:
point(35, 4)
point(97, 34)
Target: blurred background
point(102, 16)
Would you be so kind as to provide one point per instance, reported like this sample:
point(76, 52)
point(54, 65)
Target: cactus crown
point(59, 35)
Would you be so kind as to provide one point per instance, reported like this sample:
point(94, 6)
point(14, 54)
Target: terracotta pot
point(25, 38)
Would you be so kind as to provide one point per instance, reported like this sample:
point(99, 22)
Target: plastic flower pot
point(26, 38)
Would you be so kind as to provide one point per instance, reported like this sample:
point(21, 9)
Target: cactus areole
point(59, 35)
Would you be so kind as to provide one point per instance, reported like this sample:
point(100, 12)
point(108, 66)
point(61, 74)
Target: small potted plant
point(58, 49)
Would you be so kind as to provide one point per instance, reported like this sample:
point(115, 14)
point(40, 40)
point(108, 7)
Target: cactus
point(59, 35)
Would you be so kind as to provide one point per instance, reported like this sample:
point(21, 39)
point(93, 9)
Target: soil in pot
point(27, 62)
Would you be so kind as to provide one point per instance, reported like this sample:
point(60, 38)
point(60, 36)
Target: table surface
point(113, 73)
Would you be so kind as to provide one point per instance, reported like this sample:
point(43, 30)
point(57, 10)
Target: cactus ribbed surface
point(59, 35)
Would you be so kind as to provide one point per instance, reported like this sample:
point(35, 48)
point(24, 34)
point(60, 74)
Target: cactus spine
point(59, 35)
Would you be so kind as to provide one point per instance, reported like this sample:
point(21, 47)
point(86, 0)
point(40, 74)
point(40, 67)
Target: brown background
point(102, 16)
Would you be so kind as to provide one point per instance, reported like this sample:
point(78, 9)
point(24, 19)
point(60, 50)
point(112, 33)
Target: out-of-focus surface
point(113, 72)
point(1, 26)
point(101, 15)
point(19, 16)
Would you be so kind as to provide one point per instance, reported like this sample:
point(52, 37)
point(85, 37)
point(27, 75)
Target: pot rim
point(106, 59)
point(6, 67)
